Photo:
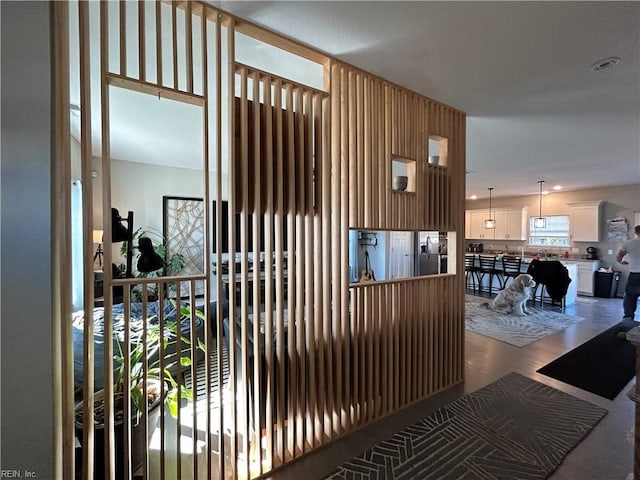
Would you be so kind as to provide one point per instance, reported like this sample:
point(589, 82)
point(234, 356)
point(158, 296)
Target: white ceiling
point(520, 70)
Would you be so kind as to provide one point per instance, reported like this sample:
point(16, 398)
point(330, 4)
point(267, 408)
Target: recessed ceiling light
point(474, 197)
point(558, 187)
point(605, 63)
point(545, 192)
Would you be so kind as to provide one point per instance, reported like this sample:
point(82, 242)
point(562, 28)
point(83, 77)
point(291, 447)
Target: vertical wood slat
point(317, 370)
point(159, 63)
point(279, 219)
point(309, 267)
point(218, 243)
point(142, 47)
point(64, 434)
point(207, 261)
point(174, 43)
point(256, 307)
point(269, 306)
point(231, 210)
point(341, 278)
point(298, 160)
point(88, 345)
point(326, 376)
point(244, 267)
point(188, 27)
point(122, 11)
point(291, 265)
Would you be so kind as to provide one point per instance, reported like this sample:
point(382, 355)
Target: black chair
point(471, 272)
point(510, 268)
point(488, 267)
point(552, 277)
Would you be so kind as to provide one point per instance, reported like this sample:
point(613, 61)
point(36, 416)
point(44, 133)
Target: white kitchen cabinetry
point(585, 221)
point(511, 224)
point(476, 225)
point(467, 224)
point(585, 277)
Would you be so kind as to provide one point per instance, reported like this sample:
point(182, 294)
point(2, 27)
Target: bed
point(136, 331)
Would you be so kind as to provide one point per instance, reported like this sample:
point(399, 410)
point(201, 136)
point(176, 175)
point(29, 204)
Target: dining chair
point(471, 272)
point(510, 268)
point(488, 267)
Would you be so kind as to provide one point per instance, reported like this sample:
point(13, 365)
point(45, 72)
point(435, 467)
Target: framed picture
point(183, 230)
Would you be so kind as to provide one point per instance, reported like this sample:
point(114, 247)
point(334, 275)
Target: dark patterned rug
point(514, 428)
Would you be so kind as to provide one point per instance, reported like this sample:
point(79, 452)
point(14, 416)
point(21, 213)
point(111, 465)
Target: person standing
point(631, 250)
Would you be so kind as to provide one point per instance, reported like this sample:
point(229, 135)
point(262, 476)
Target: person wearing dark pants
point(629, 254)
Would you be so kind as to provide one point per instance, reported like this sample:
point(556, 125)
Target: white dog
point(513, 299)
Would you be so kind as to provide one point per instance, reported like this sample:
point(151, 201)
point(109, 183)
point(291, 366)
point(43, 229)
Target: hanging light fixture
point(490, 222)
point(540, 221)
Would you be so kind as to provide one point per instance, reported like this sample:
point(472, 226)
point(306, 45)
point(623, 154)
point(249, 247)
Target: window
point(555, 234)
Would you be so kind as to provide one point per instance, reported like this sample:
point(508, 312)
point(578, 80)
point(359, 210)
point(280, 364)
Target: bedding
point(137, 319)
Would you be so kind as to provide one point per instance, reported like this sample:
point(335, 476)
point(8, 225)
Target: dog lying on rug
point(513, 299)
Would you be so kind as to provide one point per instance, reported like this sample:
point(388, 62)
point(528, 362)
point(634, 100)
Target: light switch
point(575, 250)
point(609, 252)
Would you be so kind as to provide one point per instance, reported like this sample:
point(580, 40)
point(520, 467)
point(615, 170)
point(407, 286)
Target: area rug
point(513, 428)
point(511, 329)
point(603, 365)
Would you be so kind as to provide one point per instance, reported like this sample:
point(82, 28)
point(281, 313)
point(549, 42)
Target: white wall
point(26, 409)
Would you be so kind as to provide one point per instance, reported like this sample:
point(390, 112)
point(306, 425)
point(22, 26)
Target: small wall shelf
point(437, 150)
point(403, 167)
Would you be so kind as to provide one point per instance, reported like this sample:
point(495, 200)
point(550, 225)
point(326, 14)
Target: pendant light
point(540, 221)
point(490, 223)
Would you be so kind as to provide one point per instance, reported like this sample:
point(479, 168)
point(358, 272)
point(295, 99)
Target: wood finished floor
point(605, 454)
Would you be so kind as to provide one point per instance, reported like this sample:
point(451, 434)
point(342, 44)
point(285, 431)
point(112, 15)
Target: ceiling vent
point(605, 63)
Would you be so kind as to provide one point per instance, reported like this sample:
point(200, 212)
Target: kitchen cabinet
point(585, 277)
point(511, 224)
point(467, 224)
point(476, 225)
point(585, 221)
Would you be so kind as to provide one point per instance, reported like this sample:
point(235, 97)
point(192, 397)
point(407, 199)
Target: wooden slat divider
point(347, 354)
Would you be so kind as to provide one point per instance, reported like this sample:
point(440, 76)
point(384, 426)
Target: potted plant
point(150, 384)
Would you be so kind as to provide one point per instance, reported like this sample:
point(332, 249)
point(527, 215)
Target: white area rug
point(518, 331)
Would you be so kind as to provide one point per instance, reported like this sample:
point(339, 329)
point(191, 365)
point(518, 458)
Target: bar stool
point(510, 268)
point(471, 272)
point(488, 267)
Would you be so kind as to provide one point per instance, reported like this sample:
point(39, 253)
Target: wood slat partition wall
point(305, 166)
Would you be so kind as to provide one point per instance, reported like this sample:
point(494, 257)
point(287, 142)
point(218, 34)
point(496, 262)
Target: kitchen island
point(570, 264)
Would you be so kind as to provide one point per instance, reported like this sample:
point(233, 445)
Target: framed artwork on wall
point(183, 230)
